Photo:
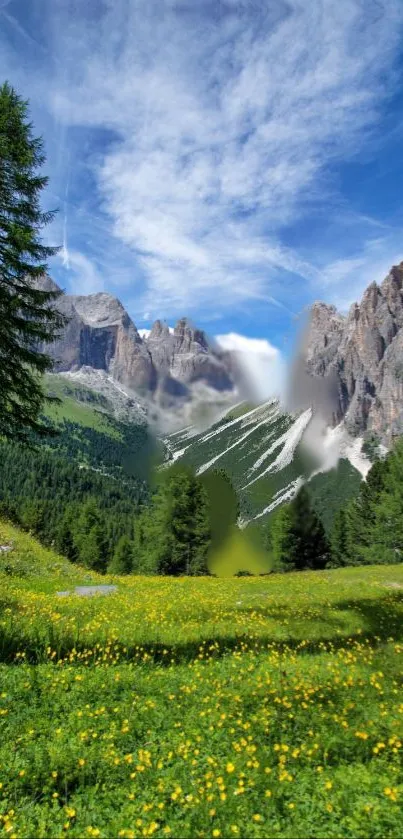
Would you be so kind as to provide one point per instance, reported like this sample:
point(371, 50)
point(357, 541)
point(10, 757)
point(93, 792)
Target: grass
point(70, 408)
point(266, 706)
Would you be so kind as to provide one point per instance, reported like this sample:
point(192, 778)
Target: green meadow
point(251, 706)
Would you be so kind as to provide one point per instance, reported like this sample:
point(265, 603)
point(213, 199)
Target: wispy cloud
point(344, 279)
point(207, 130)
point(83, 275)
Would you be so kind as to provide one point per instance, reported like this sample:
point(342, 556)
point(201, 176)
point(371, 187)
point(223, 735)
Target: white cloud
point(241, 343)
point(262, 364)
point(84, 278)
point(209, 128)
point(343, 281)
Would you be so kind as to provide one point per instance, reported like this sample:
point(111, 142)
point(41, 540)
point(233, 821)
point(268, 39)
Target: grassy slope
point(88, 413)
point(91, 435)
point(199, 707)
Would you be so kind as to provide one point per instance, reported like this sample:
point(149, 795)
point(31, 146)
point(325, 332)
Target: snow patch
point(249, 416)
point(285, 494)
point(213, 460)
point(290, 439)
point(336, 444)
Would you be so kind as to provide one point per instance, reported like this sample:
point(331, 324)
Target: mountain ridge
point(100, 342)
point(358, 358)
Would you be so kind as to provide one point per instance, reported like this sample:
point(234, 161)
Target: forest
point(108, 518)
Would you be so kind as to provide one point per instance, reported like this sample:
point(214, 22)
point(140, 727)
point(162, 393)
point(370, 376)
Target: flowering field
point(268, 706)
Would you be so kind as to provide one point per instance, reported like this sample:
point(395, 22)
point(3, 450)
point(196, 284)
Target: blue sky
point(230, 161)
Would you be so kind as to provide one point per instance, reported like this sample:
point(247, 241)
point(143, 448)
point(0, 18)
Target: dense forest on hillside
point(365, 530)
point(108, 518)
point(50, 495)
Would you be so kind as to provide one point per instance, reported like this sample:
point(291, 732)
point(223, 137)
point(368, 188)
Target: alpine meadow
point(201, 419)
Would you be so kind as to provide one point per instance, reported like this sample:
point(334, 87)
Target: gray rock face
point(362, 354)
point(100, 334)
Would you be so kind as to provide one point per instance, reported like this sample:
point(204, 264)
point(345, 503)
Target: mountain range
point(166, 371)
point(348, 372)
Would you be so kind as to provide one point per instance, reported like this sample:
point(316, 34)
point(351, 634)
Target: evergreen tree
point(90, 539)
point(282, 544)
point(33, 516)
point(64, 538)
point(360, 514)
point(28, 316)
point(93, 550)
point(122, 560)
point(385, 543)
point(312, 548)
point(339, 540)
point(176, 532)
point(298, 539)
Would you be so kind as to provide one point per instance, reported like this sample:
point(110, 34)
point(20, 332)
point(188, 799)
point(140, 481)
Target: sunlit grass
point(199, 707)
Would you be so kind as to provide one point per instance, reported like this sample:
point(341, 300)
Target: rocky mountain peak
point(101, 309)
point(99, 334)
point(159, 330)
point(365, 352)
point(188, 338)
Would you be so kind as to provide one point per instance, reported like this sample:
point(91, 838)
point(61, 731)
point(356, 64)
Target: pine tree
point(339, 540)
point(33, 516)
point(298, 539)
point(93, 551)
point(312, 549)
point(28, 316)
point(385, 543)
point(360, 515)
point(89, 538)
point(176, 532)
point(282, 543)
point(122, 560)
point(64, 541)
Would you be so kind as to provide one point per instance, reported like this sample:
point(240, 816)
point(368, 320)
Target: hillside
point(99, 431)
point(246, 710)
point(261, 449)
point(91, 477)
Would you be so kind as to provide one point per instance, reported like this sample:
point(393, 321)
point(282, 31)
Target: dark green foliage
point(370, 528)
point(360, 514)
point(281, 540)
point(28, 316)
point(174, 536)
point(338, 540)
point(64, 539)
point(332, 490)
point(384, 543)
point(129, 449)
point(46, 494)
point(298, 540)
point(122, 560)
point(90, 538)
point(370, 447)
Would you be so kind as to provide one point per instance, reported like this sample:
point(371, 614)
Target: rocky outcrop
point(99, 334)
point(359, 359)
